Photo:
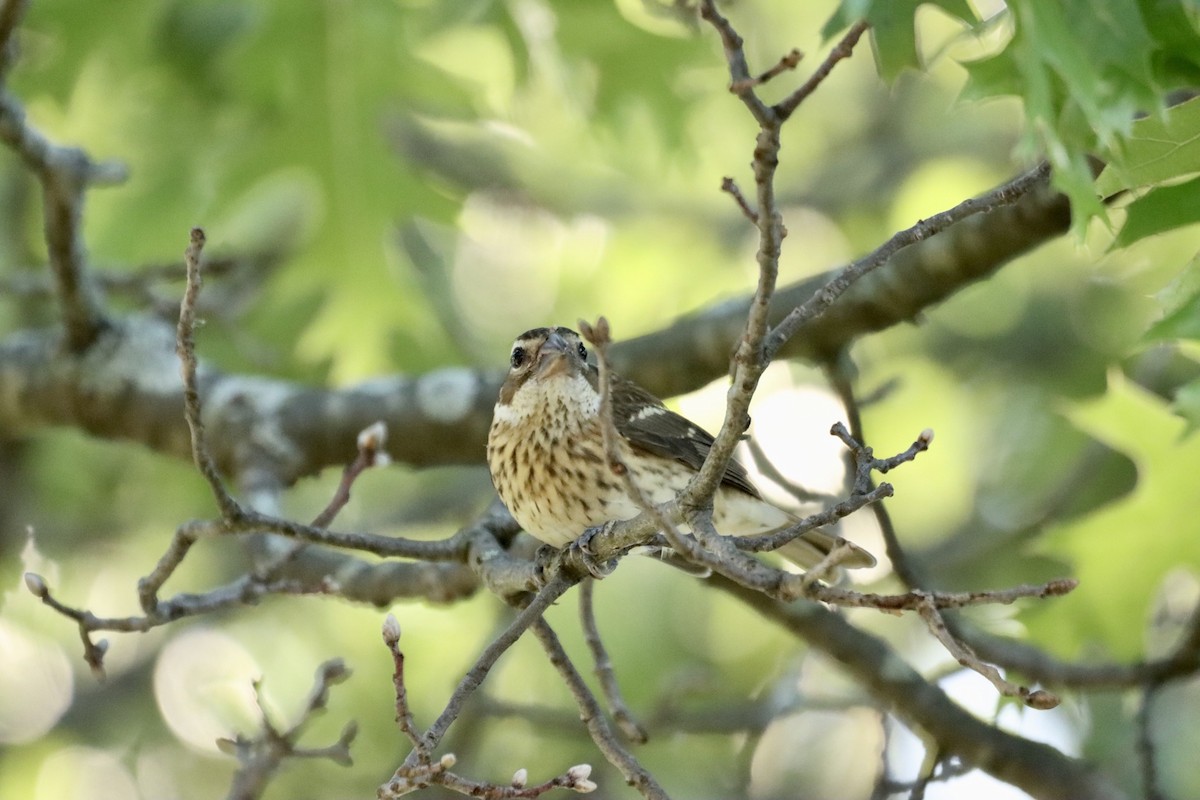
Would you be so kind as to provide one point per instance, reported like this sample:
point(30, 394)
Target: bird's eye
point(518, 357)
point(582, 352)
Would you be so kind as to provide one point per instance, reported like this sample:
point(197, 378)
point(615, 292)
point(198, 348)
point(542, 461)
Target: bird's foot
point(543, 562)
point(587, 557)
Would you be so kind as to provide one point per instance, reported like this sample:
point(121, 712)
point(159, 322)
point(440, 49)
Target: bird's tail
point(811, 547)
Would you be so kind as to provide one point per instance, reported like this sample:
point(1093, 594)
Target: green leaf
point(847, 13)
point(893, 30)
point(1177, 60)
point(1159, 147)
point(1161, 209)
point(1187, 404)
point(1123, 551)
point(1181, 303)
point(992, 76)
point(1085, 71)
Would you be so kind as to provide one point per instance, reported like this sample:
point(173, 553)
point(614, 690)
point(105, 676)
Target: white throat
point(554, 395)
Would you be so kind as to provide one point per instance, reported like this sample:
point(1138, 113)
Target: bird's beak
point(554, 356)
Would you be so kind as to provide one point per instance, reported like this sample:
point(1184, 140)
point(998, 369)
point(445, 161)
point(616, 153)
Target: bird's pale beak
point(554, 355)
point(556, 341)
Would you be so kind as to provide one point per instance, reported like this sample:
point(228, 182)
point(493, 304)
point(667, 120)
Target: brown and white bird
point(546, 453)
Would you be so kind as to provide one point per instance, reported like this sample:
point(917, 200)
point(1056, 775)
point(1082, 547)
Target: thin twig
point(532, 612)
point(1038, 698)
point(729, 186)
point(404, 716)
point(839, 373)
point(916, 599)
point(185, 347)
point(768, 542)
point(842, 50)
point(789, 61)
point(370, 454)
point(185, 536)
point(624, 718)
point(261, 757)
point(600, 336)
point(420, 776)
point(750, 358)
point(735, 56)
point(822, 299)
point(593, 717)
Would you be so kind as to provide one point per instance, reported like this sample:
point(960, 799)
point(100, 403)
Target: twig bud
point(373, 437)
point(520, 778)
point(1042, 700)
point(391, 630)
point(580, 772)
point(36, 585)
point(447, 761)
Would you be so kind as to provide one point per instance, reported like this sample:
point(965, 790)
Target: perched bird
point(546, 453)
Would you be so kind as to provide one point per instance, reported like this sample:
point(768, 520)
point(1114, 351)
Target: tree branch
point(1036, 768)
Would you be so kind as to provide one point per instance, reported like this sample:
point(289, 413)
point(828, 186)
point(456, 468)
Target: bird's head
point(551, 360)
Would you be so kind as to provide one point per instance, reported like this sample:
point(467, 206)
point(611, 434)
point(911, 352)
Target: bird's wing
point(649, 425)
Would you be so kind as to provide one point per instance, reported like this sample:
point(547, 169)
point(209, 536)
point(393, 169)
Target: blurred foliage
point(436, 176)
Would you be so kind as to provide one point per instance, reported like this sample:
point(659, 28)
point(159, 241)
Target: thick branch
point(695, 349)
point(127, 386)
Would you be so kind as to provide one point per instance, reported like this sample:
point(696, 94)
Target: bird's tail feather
point(811, 547)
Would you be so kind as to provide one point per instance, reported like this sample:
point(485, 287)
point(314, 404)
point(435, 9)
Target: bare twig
point(816, 305)
point(426, 579)
point(943, 770)
point(600, 336)
point(531, 613)
point(1036, 768)
point(739, 73)
point(624, 718)
point(856, 501)
point(1039, 698)
point(789, 61)
point(915, 600)
point(242, 591)
point(730, 186)
point(262, 756)
point(404, 717)
point(185, 536)
point(577, 779)
point(370, 454)
point(863, 490)
point(185, 348)
point(842, 50)
point(593, 717)
point(839, 372)
point(420, 769)
point(750, 357)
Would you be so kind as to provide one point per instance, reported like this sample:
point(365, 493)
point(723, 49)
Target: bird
point(545, 452)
